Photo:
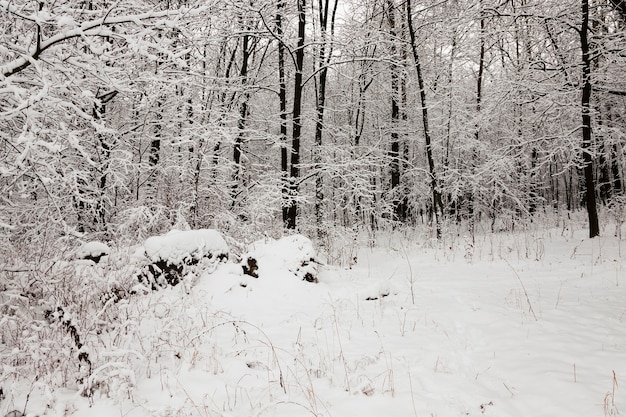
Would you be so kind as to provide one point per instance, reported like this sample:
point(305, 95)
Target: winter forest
point(423, 137)
point(124, 119)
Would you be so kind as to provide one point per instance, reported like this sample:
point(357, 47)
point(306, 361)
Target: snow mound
point(294, 253)
point(93, 251)
point(177, 246)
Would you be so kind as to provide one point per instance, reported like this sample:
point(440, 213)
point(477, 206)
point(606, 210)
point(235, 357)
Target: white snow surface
point(513, 326)
point(175, 245)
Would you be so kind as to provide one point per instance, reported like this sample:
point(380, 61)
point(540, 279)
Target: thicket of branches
point(118, 120)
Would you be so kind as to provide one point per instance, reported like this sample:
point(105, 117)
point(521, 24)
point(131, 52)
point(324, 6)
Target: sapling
point(469, 248)
point(617, 210)
point(411, 278)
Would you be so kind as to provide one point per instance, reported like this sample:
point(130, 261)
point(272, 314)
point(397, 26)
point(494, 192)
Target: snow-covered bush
point(340, 244)
point(142, 221)
point(171, 255)
point(617, 210)
point(93, 251)
point(55, 316)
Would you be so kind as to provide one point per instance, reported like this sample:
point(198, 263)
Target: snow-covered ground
point(513, 325)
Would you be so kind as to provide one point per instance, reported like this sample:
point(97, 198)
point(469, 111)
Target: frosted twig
point(530, 306)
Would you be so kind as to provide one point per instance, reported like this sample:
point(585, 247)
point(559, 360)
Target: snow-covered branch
point(96, 27)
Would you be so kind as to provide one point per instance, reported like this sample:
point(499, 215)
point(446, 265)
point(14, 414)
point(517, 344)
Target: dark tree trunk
point(292, 210)
point(394, 153)
point(436, 195)
point(359, 119)
point(154, 154)
point(590, 194)
point(325, 55)
point(282, 98)
point(450, 203)
point(243, 114)
point(532, 192)
point(104, 140)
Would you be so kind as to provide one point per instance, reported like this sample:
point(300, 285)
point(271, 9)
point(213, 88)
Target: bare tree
point(296, 114)
point(327, 29)
point(590, 189)
point(436, 202)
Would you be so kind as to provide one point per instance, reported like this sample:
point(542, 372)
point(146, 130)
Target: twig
point(411, 280)
point(508, 389)
point(412, 396)
point(530, 306)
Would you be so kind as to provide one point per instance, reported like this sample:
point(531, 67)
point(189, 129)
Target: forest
point(122, 120)
point(325, 208)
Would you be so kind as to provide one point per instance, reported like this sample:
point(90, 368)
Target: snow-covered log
point(294, 253)
point(171, 254)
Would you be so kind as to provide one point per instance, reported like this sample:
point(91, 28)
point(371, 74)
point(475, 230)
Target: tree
point(282, 99)
point(66, 81)
point(296, 114)
point(246, 52)
point(327, 29)
point(128, 120)
point(437, 206)
point(590, 189)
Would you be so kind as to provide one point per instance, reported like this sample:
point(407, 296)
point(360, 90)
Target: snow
point(176, 245)
point(66, 21)
point(92, 249)
point(294, 254)
point(513, 325)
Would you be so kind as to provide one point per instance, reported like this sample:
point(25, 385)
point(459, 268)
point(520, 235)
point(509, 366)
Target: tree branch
point(609, 91)
point(91, 28)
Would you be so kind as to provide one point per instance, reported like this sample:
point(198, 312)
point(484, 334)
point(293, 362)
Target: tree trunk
point(325, 55)
point(394, 153)
point(282, 98)
point(590, 193)
point(292, 210)
point(436, 196)
point(243, 114)
point(479, 95)
point(451, 204)
point(154, 154)
point(105, 142)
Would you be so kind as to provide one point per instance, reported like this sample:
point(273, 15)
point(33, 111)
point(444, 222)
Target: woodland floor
point(523, 324)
